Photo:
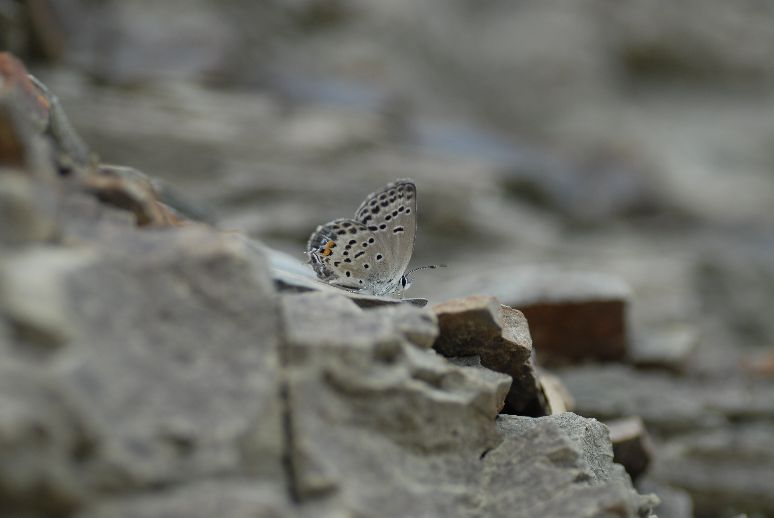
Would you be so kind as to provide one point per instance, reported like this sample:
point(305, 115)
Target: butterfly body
point(369, 253)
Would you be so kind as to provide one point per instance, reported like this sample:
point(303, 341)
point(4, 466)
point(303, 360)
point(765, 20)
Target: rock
point(25, 209)
point(573, 316)
point(500, 337)
point(761, 364)
point(725, 470)
point(669, 349)
point(652, 45)
point(231, 499)
point(33, 294)
point(675, 503)
point(364, 392)
point(558, 398)
point(44, 443)
point(664, 404)
point(129, 189)
point(667, 404)
point(607, 185)
point(631, 445)
point(23, 116)
point(379, 425)
point(418, 327)
point(176, 385)
point(575, 455)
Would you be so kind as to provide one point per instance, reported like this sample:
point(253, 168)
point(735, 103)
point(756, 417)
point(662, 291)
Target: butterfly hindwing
point(342, 253)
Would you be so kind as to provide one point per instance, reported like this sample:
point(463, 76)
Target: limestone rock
point(574, 454)
point(499, 335)
point(380, 426)
point(167, 371)
point(372, 415)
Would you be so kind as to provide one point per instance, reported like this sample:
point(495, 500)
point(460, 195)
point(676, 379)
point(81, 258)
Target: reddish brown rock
point(574, 316)
point(631, 445)
point(499, 336)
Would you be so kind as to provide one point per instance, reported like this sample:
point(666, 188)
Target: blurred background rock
point(629, 138)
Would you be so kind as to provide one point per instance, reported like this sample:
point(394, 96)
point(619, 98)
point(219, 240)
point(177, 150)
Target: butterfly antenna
point(428, 267)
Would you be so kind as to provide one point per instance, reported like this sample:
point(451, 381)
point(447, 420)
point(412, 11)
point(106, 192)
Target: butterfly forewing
point(391, 215)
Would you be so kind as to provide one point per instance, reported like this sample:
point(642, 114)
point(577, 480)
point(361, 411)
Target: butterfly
point(369, 254)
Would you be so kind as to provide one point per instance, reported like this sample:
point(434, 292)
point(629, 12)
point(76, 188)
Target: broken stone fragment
point(499, 336)
point(631, 445)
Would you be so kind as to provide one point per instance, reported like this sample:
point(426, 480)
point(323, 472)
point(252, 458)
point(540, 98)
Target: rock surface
point(151, 367)
point(603, 137)
point(499, 336)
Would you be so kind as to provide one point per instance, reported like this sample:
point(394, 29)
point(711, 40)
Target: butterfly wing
point(371, 252)
point(390, 215)
point(342, 253)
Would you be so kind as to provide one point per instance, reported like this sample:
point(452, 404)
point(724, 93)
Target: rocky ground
point(605, 169)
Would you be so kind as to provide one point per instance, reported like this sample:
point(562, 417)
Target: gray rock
point(25, 210)
point(665, 403)
point(725, 471)
point(33, 294)
point(380, 426)
point(372, 415)
point(206, 314)
point(632, 447)
point(670, 349)
point(206, 499)
point(44, 442)
point(574, 454)
point(499, 335)
point(166, 368)
point(675, 503)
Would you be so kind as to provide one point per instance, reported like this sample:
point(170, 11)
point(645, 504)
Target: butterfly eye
point(403, 281)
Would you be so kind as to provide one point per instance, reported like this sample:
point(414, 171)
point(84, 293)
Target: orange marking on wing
point(326, 250)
